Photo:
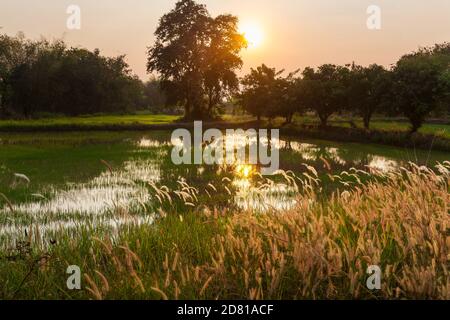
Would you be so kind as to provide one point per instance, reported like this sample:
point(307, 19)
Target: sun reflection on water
point(96, 203)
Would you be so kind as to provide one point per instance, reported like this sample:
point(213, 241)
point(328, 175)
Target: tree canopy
point(416, 87)
point(421, 82)
point(47, 77)
point(196, 57)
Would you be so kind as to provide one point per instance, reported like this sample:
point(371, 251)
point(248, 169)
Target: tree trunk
point(416, 124)
point(366, 120)
point(211, 103)
point(323, 120)
point(415, 127)
point(289, 118)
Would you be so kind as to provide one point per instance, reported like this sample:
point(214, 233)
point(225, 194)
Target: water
point(68, 182)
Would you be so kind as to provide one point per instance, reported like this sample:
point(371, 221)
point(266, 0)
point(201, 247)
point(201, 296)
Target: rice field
point(140, 227)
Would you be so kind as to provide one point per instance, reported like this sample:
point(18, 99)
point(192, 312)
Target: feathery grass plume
point(93, 288)
point(110, 169)
point(8, 203)
point(319, 248)
point(22, 177)
point(163, 295)
point(105, 284)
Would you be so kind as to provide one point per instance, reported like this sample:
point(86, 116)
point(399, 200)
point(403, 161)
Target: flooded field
point(75, 183)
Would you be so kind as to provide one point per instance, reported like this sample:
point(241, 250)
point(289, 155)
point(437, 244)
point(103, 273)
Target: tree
point(259, 96)
point(155, 99)
point(196, 57)
point(289, 96)
point(14, 52)
point(421, 83)
point(325, 90)
point(368, 90)
point(43, 77)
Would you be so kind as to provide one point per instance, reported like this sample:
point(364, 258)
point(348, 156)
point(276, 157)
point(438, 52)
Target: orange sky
point(297, 33)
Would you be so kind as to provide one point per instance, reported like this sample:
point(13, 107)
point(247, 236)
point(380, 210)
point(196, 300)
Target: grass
point(396, 125)
point(198, 245)
point(143, 119)
point(383, 131)
point(88, 122)
point(318, 249)
point(378, 123)
point(441, 130)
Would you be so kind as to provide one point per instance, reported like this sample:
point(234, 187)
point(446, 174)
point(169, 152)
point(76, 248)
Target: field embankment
point(433, 136)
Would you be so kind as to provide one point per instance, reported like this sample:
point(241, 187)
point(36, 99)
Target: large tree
point(325, 90)
point(368, 90)
point(14, 52)
point(421, 83)
point(197, 57)
point(261, 88)
point(290, 96)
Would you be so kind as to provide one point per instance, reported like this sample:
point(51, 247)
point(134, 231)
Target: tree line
point(417, 86)
point(40, 77)
point(197, 57)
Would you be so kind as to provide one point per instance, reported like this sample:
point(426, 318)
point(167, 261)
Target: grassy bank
point(320, 249)
point(100, 122)
point(401, 139)
point(432, 136)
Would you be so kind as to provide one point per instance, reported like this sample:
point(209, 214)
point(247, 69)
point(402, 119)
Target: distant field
point(106, 121)
point(442, 130)
point(438, 129)
point(88, 121)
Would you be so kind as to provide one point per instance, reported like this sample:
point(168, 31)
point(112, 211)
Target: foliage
point(259, 94)
point(417, 87)
point(368, 91)
point(421, 83)
point(325, 90)
point(196, 57)
point(43, 77)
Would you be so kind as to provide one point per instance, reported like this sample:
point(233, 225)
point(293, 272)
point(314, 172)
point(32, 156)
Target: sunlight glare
point(253, 34)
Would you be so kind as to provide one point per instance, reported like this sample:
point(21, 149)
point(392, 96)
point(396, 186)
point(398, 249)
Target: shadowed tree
point(325, 90)
point(14, 53)
point(421, 83)
point(368, 90)
point(259, 92)
point(43, 77)
point(222, 60)
point(291, 97)
point(196, 57)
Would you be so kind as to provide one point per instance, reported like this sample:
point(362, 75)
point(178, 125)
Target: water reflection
point(342, 158)
point(120, 197)
point(382, 164)
point(107, 202)
point(272, 196)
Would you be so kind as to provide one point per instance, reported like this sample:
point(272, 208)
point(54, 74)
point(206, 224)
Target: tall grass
point(319, 249)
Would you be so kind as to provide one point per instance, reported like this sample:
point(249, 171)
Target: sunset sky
point(295, 33)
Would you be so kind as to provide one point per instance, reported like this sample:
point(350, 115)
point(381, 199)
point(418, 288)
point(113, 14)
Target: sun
point(253, 34)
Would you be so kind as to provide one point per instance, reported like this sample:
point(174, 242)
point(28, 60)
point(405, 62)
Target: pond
point(83, 181)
